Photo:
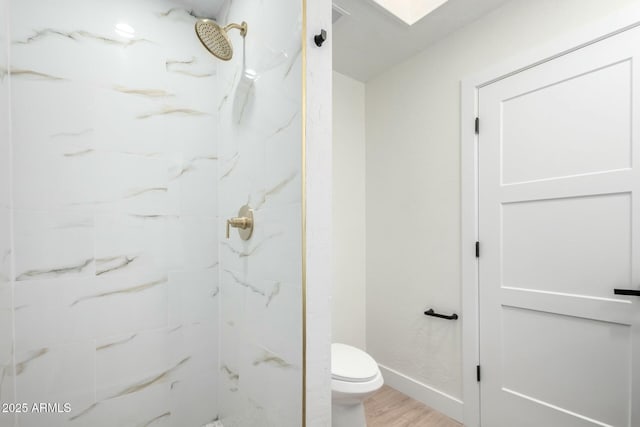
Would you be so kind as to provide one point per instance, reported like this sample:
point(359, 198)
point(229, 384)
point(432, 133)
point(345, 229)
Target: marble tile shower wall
point(6, 294)
point(115, 169)
point(260, 165)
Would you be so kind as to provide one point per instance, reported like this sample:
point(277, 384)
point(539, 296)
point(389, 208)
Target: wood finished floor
point(390, 408)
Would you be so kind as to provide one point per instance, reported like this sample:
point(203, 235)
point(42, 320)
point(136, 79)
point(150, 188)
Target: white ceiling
point(371, 40)
point(410, 11)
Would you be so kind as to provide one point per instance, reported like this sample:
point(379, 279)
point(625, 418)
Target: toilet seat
point(355, 376)
point(352, 365)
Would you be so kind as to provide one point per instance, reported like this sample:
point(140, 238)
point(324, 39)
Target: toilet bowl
point(354, 377)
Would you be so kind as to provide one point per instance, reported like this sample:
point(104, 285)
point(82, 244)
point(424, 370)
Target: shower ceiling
point(370, 40)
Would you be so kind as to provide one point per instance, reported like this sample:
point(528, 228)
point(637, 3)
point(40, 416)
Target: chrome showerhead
point(215, 38)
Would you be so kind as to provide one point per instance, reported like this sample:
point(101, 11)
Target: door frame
point(623, 20)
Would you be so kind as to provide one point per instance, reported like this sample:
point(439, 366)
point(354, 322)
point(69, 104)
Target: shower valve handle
point(238, 222)
point(243, 222)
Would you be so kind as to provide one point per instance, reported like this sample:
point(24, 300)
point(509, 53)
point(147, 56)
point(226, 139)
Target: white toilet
point(354, 377)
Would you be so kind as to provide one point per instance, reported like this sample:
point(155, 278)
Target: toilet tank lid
point(351, 364)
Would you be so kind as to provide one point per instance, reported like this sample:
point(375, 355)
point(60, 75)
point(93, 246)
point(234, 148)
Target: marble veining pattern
point(77, 35)
point(128, 153)
point(154, 419)
point(125, 291)
point(22, 365)
point(260, 155)
point(107, 265)
point(189, 67)
point(167, 110)
point(112, 344)
point(177, 10)
point(151, 93)
point(52, 272)
point(71, 134)
point(115, 160)
point(35, 75)
point(150, 381)
point(271, 359)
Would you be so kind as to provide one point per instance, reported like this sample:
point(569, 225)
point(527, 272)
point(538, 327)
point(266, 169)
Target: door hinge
point(477, 249)
point(478, 372)
point(477, 125)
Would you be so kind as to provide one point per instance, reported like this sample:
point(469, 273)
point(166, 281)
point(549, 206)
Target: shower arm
point(242, 27)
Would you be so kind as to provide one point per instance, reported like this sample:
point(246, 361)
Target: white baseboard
point(441, 402)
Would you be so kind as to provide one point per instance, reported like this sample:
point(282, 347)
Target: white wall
point(349, 227)
point(413, 171)
point(317, 134)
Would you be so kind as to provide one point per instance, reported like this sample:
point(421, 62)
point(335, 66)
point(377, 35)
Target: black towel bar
point(634, 292)
point(430, 312)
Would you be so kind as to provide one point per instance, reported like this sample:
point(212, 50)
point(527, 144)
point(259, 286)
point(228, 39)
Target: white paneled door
point(559, 226)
